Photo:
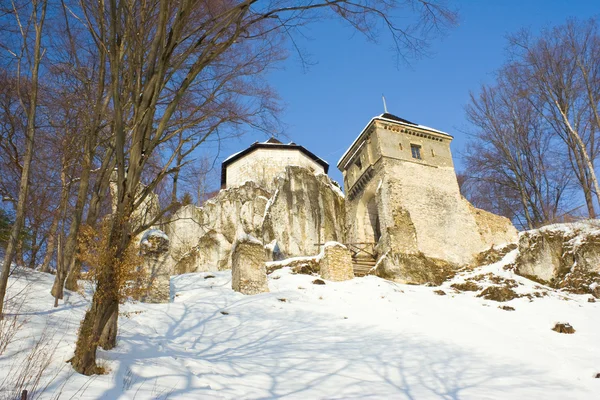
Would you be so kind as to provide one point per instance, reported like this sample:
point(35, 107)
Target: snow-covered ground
point(364, 338)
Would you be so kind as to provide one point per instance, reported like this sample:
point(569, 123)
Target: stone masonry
point(336, 262)
point(248, 270)
point(402, 194)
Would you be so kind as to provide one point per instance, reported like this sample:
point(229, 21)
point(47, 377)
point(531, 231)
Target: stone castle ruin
point(402, 196)
point(402, 216)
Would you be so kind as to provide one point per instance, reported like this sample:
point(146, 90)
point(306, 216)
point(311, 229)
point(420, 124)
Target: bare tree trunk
point(98, 195)
point(51, 245)
point(57, 287)
point(29, 143)
point(71, 245)
point(582, 148)
point(108, 339)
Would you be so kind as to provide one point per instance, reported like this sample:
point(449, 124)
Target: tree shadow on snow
point(258, 351)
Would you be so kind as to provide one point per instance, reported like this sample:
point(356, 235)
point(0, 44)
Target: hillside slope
point(364, 338)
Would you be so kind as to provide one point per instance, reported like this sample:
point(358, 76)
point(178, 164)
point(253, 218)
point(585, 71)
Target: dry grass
point(9, 326)
point(498, 293)
point(32, 371)
point(467, 286)
point(96, 253)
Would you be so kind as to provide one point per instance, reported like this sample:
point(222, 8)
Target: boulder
point(306, 210)
point(565, 256)
point(248, 272)
point(414, 268)
point(336, 262)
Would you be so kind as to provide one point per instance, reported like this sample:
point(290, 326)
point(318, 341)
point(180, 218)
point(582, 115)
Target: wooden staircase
point(364, 257)
point(362, 264)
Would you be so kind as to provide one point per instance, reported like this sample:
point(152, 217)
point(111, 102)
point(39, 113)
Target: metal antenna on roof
point(384, 105)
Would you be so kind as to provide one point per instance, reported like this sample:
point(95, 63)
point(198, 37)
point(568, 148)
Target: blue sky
point(327, 106)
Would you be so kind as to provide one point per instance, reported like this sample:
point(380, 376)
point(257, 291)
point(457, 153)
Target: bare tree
point(555, 68)
point(537, 126)
point(512, 157)
point(30, 55)
point(213, 55)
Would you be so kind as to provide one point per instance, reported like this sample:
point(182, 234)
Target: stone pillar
point(248, 269)
point(156, 282)
point(336, 264)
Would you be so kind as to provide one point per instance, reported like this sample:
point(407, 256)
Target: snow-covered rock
point(563, 255)
point(305, 210)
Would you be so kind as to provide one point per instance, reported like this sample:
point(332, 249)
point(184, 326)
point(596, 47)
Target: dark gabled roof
point(272, 143)
point(395, 118)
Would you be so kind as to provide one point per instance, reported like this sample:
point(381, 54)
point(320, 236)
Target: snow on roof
point(390, 118)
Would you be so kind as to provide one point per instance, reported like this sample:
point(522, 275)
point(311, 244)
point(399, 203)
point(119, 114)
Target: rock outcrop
point(306, 210)
point(563, 256)
point(248, 271)
point(414, 268)
point(336, 262)
point(202, 237)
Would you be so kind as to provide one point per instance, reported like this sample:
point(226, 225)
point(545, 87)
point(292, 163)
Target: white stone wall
point(263, 165)
point(418, 200)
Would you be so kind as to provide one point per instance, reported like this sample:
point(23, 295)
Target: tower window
point(358, 163)
point(415, 149)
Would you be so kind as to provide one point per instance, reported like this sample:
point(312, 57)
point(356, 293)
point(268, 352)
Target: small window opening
point(358, 163)
point(432, 153)
point(415, 149)
point(401, 147)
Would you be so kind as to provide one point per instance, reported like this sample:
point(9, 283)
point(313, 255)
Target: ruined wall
point(263, 165)
point(494, 229)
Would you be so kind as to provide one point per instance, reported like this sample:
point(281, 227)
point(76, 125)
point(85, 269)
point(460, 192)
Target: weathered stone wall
point(444, 225)
point(262, 166)
point(248, 271)
point(336, 262)
point(494, 230)
point(419, 210)
point(306, 210)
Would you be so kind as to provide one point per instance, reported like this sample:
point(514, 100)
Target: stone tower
point(402, 193)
